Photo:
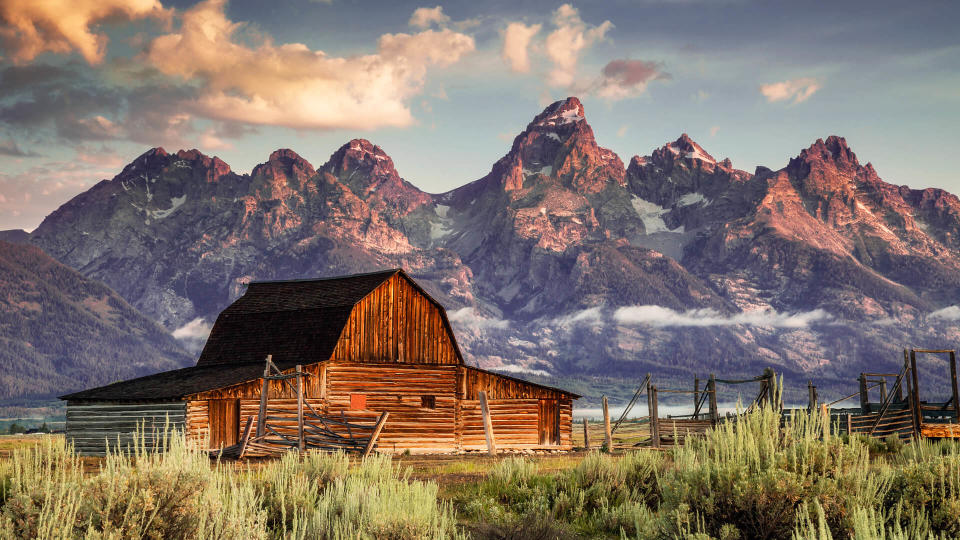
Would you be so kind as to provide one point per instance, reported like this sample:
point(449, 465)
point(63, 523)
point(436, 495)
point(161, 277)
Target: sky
point(88, 85)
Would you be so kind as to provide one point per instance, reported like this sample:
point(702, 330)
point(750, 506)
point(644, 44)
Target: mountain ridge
point(559, 226)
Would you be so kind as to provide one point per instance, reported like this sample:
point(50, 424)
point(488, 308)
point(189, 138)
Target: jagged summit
point(558, 113)
point(833, 149)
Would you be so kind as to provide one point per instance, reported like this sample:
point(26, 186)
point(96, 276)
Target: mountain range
point(563, 261)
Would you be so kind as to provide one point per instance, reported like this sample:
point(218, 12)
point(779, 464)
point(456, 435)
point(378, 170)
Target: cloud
point(73, 103)
point(194, 334)
point(30, 195)
point(567, 41)
point(469, 318)
point(626, 78)
point(426, 17)
point(622, 131)
point(714, 130)
point(291, 85)
point(11, 148)
point(659, 316)
point(516, 42)
point(589, 316)
point(31, 27)
point(950, 313)
point(799, 90)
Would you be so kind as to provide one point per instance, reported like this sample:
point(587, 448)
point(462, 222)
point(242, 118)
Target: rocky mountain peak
point(559, 113)
point(834, 149)
point(682, 148)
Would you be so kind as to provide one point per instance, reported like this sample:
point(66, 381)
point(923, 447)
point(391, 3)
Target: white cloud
point(194, 334)
point(516, 45)
point(31, 27)
point(799, 90)
point(568, 40)
point(589, 316)
point(426, 17)
point(210, 140)
point(291, 85)
point(659, 316)
point(714, 130)
point(622, 131)
point(626, 78)
point(950, 313)
point(468, 317)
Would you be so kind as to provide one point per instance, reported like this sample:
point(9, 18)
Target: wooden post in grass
point(654, 419)
point(262, 415)
point(586, 434)
point(812, 395)
point(953, 382)
point(917, 411)
point(300, 441)
point(714, 412)
point(696, 397)
point(607, 435)
point(376, 433)
point(864, 403)
point(487, 424)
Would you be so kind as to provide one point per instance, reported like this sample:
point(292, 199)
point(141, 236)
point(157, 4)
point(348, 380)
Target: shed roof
point(175, 384)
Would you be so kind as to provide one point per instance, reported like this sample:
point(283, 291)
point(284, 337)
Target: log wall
point(398, 389)
point(91, 427)
point(455, 422)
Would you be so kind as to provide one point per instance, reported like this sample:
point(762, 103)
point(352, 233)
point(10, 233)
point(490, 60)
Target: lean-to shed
point(370, 343)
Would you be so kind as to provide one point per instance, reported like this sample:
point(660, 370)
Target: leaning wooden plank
point(376, 433)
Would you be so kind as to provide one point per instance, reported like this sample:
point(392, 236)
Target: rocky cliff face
point(559, 261)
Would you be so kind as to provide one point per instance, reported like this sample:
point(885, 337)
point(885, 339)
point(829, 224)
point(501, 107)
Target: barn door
point(224, 415)
point(549, 421)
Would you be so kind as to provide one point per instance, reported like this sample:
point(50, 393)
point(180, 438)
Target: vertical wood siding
point(396, 323)
point(91, 427)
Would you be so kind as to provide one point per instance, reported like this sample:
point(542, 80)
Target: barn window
point(428, 402)
point(358, 401)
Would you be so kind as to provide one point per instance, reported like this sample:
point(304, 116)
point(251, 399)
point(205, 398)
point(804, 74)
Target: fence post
point(714, 412)
point(917, 411)
point(487, 424)
point(654, 419)
point(586, 434)
point(953, 381)
point(696, 397)
point(300, 441)
point(771, 388)
point(864, 403)
point(812, 391)
point(264, 390)
point(607, 435)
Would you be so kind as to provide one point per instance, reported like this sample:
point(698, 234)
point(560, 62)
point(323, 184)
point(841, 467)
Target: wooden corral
point(674, 429)
point(901, 410)
point(366, 344)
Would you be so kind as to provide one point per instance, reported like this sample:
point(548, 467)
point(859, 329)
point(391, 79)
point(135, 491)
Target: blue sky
point(444, 88)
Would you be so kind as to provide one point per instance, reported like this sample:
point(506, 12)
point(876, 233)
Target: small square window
point(428, 402)
point(358, 402)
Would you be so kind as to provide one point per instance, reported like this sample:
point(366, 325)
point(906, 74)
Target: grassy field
point(749, 480)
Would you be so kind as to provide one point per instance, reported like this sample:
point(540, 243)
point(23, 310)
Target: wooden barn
point(367, 343)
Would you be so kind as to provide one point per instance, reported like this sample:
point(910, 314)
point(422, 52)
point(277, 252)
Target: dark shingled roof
point(298, 322)
point(171, 385)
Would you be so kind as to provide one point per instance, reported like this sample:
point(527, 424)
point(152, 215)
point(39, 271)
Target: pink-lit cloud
point(31, 27)
point(569, 39)
point(516, 45)
point(797, 90)
point(424, 17)
point(294, 86)
point(626, 78)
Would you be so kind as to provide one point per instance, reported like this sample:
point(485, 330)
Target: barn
point(367, 344)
